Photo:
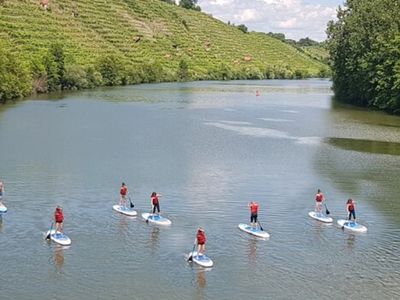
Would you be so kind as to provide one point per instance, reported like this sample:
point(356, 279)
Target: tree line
point(364, 47)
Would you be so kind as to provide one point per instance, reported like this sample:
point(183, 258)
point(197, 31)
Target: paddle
point(326, 210)
point(51, 228)
point(190, 258)
point(132, 205)
point(260, 225)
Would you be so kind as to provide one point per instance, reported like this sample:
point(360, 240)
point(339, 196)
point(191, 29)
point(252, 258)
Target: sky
point(294, 18)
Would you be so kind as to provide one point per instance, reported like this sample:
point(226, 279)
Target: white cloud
point(295, 18)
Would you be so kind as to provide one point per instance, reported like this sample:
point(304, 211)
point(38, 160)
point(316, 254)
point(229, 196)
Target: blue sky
point(295, 18)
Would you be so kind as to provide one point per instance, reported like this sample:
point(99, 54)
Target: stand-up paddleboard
point(3, 209)
point(125, 210)
point(202, 260)
point(352, 225)
point(59, 237)
point(156, 219)
point(320, 217)
point(254, 230)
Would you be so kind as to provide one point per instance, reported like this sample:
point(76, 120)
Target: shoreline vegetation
point(364, 48)
point(47, 46)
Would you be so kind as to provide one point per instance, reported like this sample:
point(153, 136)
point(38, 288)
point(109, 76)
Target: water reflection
point(154, 238)
point(252, 251)
point(59, 256)
point(350, 241)
point(1, 223)
point(367, 146)
point(201, 279)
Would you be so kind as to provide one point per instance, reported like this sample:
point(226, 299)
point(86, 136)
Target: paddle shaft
point(260, 225)
point(326, 209)
point(51, 228)
point(191, 254)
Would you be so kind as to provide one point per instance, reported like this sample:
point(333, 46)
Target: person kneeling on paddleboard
point(319, 198)
point(59, 219)
point(201, 241)
point(351, 209)
point(123, 192)
point(253, 213)
point(155, 202)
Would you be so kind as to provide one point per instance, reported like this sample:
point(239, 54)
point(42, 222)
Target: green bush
point(15, 77)
point(110, 68)
point(75, 77)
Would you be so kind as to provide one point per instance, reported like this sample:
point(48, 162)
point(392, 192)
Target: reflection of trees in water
point(362, 176)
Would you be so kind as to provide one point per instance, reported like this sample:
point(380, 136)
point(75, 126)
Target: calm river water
point(208, 148)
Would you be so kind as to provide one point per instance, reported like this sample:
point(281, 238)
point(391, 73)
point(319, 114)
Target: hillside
point(140, 40)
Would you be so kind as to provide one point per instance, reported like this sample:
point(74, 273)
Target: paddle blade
point(132, 205)
point(327, 211)
point(260, 226)
point(190, 258)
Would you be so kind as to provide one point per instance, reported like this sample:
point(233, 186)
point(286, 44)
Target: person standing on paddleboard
point(59, 219)
point(1, 191)
point(123, 192)
point(253, 213)
point(201, 241)
point(319, 198)
point(351, 209)
point(155, 202)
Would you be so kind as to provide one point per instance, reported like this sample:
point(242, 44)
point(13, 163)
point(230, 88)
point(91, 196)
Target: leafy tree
point(242, 28)
point(183, 70)
point(15, 77)
point(110, 68)
point(189, 4)
point(364, 46)
point(169, 1)
point(54, 66)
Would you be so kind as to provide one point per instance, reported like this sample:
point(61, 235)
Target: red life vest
point(59, 216)
point(123, 191)
point(154, 200)
point(254, 207)
point(201, 237)
point(319, 197)
point(350, 207)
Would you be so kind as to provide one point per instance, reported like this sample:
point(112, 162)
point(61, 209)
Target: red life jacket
point(123, 191)
point(154, 200)
point(59, 216)
point(350, 207)
point(254, 207)
point(319, 197)
point(201, 237)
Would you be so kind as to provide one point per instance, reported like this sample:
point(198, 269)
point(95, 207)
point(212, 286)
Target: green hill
point(78, 44)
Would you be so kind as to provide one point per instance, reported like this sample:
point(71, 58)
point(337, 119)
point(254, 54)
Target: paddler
point(123, 192)
point(319, 198)
point(201, 241)
point(59, 219)
point(253, 213)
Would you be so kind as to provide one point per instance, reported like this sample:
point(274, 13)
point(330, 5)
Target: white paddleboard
point(59, 237)
point(202, 260)
point(125, 210)
point(254, 231)
point(352, 225)
point(320, 217)
point(156, 219)
point(3, 209)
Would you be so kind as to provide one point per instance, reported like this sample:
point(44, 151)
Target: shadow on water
point(367, 146)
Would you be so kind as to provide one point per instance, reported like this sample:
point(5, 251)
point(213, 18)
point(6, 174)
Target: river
point(209, 148)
